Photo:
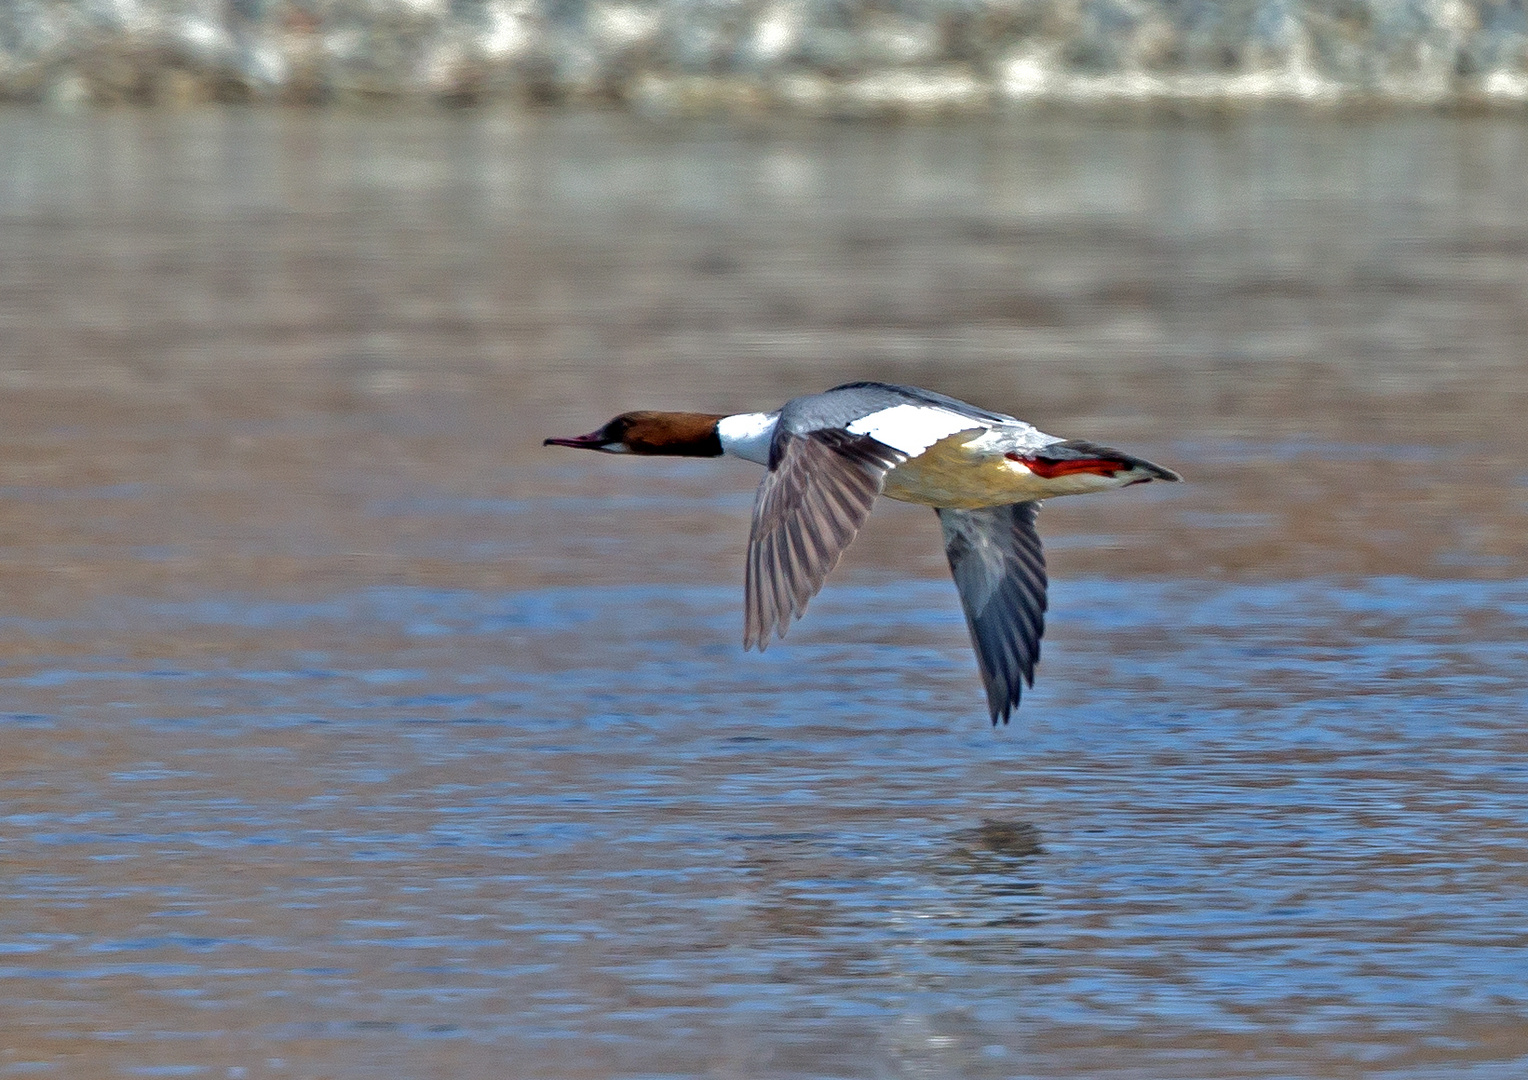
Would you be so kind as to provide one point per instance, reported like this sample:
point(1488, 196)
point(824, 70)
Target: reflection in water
point(996, 850)
point(995, 866)
point(348, 733)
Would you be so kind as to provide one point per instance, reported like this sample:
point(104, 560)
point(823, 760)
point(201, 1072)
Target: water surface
point(351, 733)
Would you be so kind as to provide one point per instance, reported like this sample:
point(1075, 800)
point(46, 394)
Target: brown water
point(348, 732)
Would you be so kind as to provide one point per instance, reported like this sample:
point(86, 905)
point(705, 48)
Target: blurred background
point(349, 732)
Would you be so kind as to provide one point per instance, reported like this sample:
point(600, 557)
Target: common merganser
point(829, 455)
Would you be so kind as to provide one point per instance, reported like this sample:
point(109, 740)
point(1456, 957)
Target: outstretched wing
point(999, 569)
point(818, 492)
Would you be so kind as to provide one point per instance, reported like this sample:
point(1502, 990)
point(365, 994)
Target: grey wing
point(999, 568)
point(818, 492)
point(884, 395)
point(842, 405)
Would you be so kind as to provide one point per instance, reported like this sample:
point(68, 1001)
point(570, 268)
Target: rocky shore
point(815, 57)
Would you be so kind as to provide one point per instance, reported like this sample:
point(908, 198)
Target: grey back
point(842, 405)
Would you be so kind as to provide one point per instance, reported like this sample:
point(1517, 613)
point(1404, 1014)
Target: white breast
point(747, 435)
point(912, 429)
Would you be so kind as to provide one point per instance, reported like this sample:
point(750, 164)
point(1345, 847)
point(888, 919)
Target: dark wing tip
point(1002, 698)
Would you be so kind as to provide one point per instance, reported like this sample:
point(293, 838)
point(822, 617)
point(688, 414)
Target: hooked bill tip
point(591, 441)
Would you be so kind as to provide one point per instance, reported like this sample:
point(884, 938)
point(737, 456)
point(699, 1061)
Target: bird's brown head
point(672, 434)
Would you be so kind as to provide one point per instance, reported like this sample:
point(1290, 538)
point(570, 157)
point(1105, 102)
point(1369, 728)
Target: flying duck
point(829, 455)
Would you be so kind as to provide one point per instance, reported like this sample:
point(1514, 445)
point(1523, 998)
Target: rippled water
point(351, 733)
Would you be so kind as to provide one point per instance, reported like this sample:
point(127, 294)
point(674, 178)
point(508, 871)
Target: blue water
point(579, 830)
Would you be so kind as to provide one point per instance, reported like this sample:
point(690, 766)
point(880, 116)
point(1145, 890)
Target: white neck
point(747, 435)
